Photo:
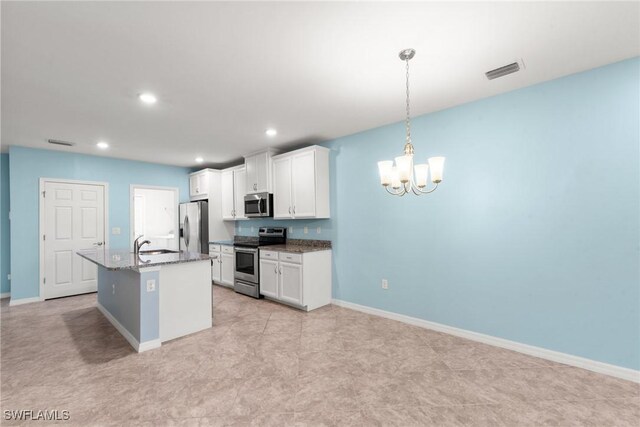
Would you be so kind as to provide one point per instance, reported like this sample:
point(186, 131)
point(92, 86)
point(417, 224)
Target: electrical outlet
point(9, 276)
point(290, 230)
point(115, 231)
point(151, 285)
point(385, 284)
point(239, 228)
point(252, 228)
point(319, 230)
point(113, 289)
point(306, 230)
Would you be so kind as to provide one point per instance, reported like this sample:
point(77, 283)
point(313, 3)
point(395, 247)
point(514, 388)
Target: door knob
point(98, 244)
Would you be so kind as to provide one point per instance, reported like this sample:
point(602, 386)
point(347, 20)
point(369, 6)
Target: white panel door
point(227, 273)
point(282, 188)
point(303, 177)
point(290, 283)
point(250, 164)
point(262, 172)
point(74, 220)
point(216, 268)
point(226, 199)
point(269, 278)
point(240, 190)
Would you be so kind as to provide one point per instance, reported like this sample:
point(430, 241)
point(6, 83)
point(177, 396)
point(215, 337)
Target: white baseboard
point(139, 347)
point(543, 353)
point(5, 295)
point(21, 301)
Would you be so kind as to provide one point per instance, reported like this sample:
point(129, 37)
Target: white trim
point(21, 301)
point(543, 353)
point(5, 295)
point(139, 347)
point(41, 224)
point(132, 189)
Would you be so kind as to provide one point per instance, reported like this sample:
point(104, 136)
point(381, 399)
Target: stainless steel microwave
point(258, 205)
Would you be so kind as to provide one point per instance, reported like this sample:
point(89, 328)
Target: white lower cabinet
point(269, 278)
point(222, 267)
point(302, 280)
point(226, 275)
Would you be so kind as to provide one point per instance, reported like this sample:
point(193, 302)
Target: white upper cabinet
point(233, 187)
point(282, 188)
point(301, 183)
point(199, 185)
point(259, 170)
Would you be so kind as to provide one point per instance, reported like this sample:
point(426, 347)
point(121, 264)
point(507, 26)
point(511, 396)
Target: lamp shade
point(404, 164)
point(437, 166)
point(395, 178)
point(384, 167)
point(422, 174)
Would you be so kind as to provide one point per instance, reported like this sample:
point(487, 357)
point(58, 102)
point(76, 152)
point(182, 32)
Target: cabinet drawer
point(227, 249)
point(289, 257)
point(268, 254)
point(214, 248)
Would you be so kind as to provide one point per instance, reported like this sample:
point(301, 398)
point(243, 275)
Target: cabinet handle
point(294, 209)
point(280, 269)
point(276, 269)
point(289, 210)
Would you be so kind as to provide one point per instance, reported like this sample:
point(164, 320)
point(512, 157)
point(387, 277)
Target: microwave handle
point(259, 207)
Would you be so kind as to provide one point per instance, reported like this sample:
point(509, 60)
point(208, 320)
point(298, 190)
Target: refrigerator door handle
point(187, 232)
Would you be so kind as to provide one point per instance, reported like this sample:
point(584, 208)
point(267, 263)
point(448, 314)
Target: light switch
point(115, 231)
point(319, 230)
point(306, 230)
point(151, 285)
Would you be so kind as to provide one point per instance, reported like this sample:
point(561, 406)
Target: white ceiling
point(224, 72)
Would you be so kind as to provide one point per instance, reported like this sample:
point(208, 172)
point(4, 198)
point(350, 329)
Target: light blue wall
point(534, 233)
point(5, 258)
point(27, 166)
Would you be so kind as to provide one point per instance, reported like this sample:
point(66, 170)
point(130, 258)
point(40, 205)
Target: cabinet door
point(239, 191)
point(251, 166)
point(262, 172)
point(193, 185)
point(290, 288)
point(216, 268)
point(203, 183)
point(226, 275)
point(282, 188)
point(269, 278)
point(226, 198)
point(303, 178)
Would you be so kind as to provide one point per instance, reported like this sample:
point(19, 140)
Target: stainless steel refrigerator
point(194, 227)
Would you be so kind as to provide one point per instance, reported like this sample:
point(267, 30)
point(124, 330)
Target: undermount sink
point(158, 252)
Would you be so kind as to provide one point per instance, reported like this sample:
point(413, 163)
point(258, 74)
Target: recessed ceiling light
point(102, 145)
point(271, 132)
point(199, 160)
point(147, 98)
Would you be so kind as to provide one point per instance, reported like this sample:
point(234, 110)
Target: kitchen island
point(153, 298)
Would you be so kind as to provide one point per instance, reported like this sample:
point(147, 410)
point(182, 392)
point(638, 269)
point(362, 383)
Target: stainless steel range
point(247, 271)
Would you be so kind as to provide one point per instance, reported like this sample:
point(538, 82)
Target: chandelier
point(399, 179)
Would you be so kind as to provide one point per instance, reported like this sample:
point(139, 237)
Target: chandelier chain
point(408, 119)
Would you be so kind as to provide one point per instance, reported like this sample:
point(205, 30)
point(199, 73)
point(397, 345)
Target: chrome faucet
point(137, 246)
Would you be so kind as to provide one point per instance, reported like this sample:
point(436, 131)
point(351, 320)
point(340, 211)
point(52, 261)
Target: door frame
point(132, 217)
point(41, 209)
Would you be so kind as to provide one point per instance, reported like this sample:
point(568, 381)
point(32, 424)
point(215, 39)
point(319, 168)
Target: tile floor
point(266, 364)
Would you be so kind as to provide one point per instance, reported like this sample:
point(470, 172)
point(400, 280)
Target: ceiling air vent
point(58, 142)
point(503, 71)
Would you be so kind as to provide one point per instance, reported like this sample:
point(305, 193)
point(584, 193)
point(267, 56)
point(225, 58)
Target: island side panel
point(119, 296)
point(150, 307)
point(185, 299)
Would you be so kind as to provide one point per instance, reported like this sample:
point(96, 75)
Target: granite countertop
point(300, 246)
point(124, 259)
point(222, 242)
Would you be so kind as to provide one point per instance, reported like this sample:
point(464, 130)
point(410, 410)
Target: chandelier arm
point(435, 187)
point(394, 193)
